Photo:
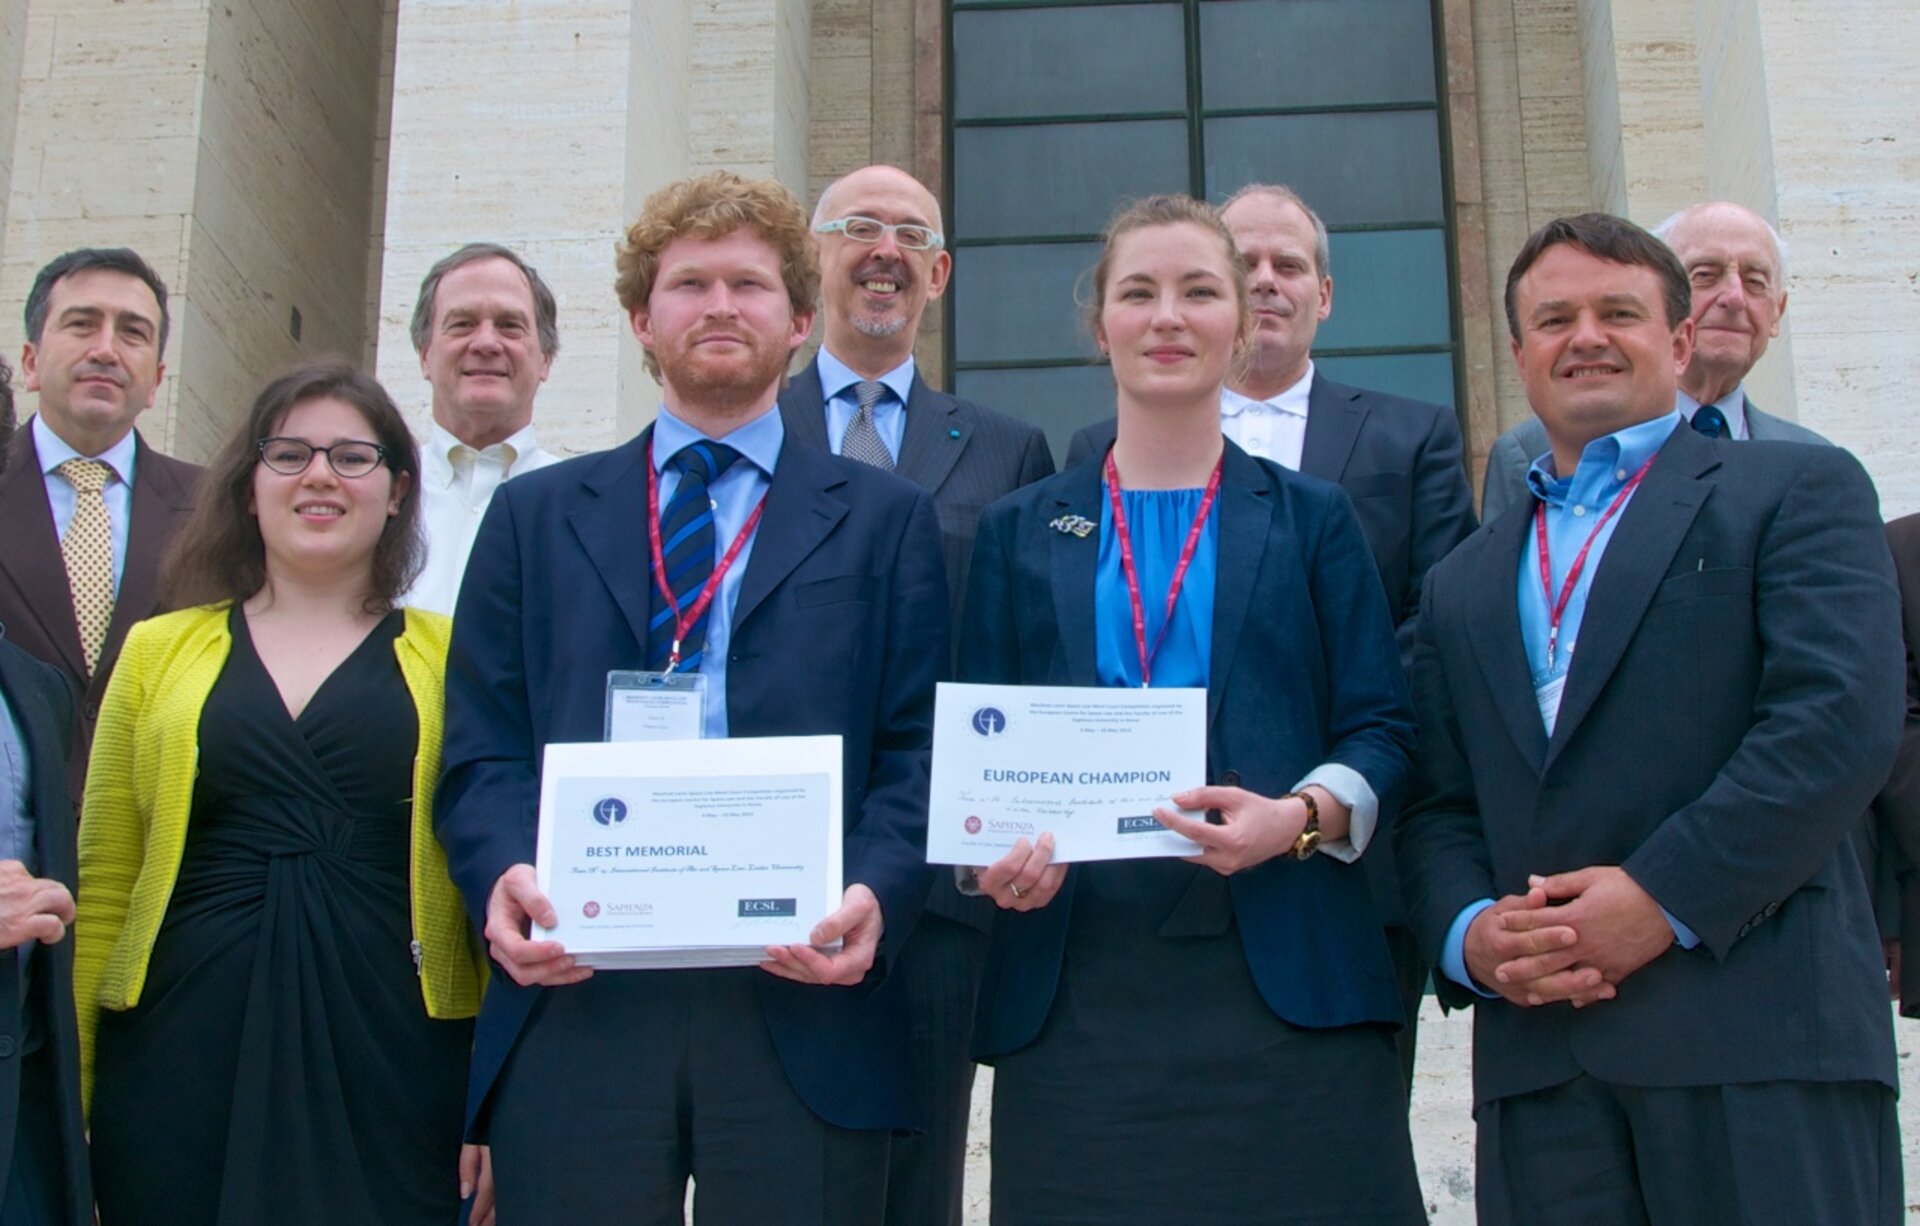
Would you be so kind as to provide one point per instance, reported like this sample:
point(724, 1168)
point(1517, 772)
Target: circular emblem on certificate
point(591, 909)
point(972, 824)
point(989, 722)
point(610, 811)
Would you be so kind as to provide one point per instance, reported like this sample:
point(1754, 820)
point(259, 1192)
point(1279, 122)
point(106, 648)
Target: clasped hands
point(516, 900)
point(1571, 937)
point(1252, 830)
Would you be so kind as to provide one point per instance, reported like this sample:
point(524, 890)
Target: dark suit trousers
point(622, 1087)
point(1410, 976)
point(35, 1194)
point(939, 970)
point(1788, 1152)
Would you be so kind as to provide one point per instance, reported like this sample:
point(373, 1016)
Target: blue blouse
point(1159, 521)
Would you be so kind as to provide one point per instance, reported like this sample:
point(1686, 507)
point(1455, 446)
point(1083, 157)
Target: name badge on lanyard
point(650, 706)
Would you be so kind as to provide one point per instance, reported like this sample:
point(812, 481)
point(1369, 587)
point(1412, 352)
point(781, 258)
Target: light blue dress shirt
point(118, 494)
point(16, 795)
point(1574, 504)
point(837, 381)
point(735, 493)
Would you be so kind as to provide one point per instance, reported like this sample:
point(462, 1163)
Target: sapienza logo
point(610, 811)
point(989, 722)
point(972, 824)
point(590, 910)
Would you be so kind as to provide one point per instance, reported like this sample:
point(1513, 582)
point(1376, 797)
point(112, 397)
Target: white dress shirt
point(457, 483)
point(1273, 429)
point(118, 494)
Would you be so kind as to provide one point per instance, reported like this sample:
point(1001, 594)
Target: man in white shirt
point(486, 329)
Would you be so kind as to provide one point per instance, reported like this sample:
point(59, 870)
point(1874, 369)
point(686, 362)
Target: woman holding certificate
point(1206, 1040)
point(273, 971)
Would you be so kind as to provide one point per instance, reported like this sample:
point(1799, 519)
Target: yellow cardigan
point(133, 823)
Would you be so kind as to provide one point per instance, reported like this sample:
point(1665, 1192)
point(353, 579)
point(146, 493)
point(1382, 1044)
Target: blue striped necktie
point(687, 545)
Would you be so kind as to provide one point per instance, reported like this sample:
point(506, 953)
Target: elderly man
point(882, 260)
point(1398, 459)
point(776, 1088)
point(1645, 747)
point(486, 329)
point(89, 506)
point(1736, 263)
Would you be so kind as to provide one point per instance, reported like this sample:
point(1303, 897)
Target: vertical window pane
point(1291, 53)
point(1356, 168)
point(1058, 399)
point(1066, 178)
point(1024, 62)
point(1016, 304)
point(1422, 376)
point(1389, 288)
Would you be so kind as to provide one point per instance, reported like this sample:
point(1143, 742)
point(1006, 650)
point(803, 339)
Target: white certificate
point(689, 853)
point(1088, 765)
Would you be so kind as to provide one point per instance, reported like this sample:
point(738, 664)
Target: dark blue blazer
point(1304, 671)
point(1736, 700)
point(841, 627)
point(43, 706)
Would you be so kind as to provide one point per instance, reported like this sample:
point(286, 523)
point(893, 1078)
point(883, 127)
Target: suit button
point(6, 1046)
point(1772, 907)
point(92, 710)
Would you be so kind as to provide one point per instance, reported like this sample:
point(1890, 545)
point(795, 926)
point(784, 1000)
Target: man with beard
point(1398, 459)
point(1736, 265)
point(883, 258)
point(777, 1087)
point(89, 506)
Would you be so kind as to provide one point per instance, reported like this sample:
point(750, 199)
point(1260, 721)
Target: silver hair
point(1664, 232)
point(1322, 249)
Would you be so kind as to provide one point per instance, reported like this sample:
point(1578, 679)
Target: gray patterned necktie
point(862, 441)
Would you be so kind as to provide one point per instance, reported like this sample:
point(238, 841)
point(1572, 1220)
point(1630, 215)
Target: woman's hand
point(1253, 828)
point(476, 1180)
point(1026, 878)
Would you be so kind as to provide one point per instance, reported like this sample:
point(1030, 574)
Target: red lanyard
point(1557, 609)
point(1133, 577)
point(681, 624)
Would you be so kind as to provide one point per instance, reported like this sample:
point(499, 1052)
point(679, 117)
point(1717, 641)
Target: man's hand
point(31, 908)
point(1026, 878)
point(1253, 828)
point(515, 901)
point(476, 1180)
point(857, 925)
point(1620, 928)
point(1520, 949)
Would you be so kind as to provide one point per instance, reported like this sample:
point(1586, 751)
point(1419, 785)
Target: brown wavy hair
point(712, 206)
point(219, 554)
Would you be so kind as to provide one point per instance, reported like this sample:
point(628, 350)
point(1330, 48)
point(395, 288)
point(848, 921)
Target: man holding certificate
point(805, 592)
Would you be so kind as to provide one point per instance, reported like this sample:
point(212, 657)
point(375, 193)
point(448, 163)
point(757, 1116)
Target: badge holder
point(654, 706)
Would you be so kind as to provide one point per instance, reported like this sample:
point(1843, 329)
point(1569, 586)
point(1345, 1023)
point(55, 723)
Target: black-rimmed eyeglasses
point(911, 235)
point(351, 458)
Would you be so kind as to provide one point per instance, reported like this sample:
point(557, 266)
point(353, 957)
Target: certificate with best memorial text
point(1088, 765)
point(689, 853)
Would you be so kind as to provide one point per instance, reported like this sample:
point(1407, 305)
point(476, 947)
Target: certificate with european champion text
point(689, 853)
point(1088, 765)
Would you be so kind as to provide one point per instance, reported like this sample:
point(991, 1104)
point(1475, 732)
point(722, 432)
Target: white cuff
point(1350, 788)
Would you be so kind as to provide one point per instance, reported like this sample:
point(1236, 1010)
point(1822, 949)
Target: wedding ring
point(1018, 892)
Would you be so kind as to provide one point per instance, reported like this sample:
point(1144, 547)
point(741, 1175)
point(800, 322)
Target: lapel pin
point(1074, 525)
point(954, 433)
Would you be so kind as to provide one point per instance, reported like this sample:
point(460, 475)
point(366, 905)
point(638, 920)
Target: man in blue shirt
point(1650, 711)
point(824, 612)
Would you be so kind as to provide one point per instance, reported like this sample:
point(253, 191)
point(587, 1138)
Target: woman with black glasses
point(274, 974)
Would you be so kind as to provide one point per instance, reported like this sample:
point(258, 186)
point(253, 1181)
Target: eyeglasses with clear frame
point(910, 235)
point(348, 458)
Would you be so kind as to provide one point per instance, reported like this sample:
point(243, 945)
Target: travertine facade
point(320, 155)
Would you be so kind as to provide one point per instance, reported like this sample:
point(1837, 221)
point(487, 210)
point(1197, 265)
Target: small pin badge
point(1075, 525)
point(953, 433)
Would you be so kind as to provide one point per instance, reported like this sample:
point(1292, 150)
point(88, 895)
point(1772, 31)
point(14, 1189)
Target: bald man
point(1736, 264)
point(883, 258)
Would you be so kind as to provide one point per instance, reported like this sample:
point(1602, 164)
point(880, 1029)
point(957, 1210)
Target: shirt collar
point(1619, 454)
point(1732, 406)
point(1292, 401)
point(759, 440)
point(54, 451)
point(436, 458)
point(837, 378)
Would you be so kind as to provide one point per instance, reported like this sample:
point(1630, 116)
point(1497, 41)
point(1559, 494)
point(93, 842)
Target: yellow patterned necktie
point(88, 546)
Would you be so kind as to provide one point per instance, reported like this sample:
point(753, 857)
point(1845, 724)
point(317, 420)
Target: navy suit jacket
point(1893, 851)
point(1303, 671)
point(1735, 701)
point(1399, 461)
point(42, 704)
point(841, 627)
point(36, 604)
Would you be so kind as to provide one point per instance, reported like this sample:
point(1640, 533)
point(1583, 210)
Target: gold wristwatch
point(1309, 839)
